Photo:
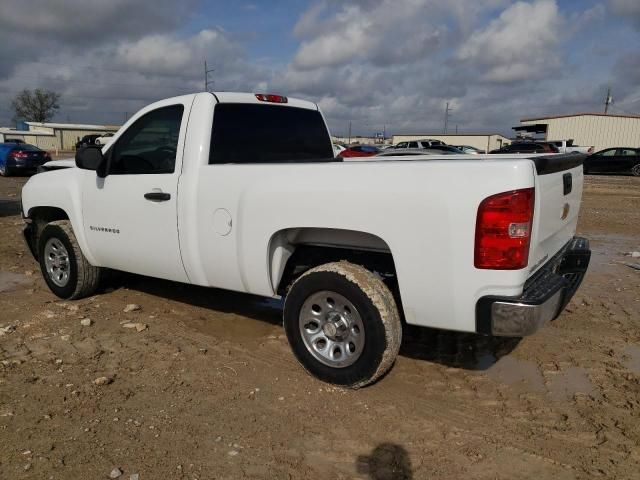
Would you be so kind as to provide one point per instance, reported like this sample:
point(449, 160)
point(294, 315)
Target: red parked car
point(360, 151)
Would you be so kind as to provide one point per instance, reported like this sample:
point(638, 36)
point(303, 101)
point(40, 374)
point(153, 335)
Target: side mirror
point(91, 158)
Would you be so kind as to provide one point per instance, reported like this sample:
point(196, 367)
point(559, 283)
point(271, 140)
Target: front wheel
point(67, 272)
point(635, 170)
point(343, 324)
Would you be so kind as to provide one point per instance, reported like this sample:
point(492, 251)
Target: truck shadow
point(454, 349)
point(225, 301)
point(468, 351)
point(9, 208)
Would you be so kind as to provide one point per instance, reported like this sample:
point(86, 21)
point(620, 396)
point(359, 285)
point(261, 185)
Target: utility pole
point(349, 132)
point(446, 117)
point(206, 76)
point(608, 101)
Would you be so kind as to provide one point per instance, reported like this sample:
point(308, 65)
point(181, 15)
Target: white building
point(587, 129)
point(54, 136)
point(483, 141)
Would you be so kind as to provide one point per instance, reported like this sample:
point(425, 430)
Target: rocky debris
point(138, 326)
point(633, 254)
point(65, 338)
point(233, 453)
point(103, 380)
point(6, 330)
point(134, 476)
point(86, 322)
point(132, 307)
point(115, 473)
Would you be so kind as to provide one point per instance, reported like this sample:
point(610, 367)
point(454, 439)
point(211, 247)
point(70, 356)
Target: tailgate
point(558, 188)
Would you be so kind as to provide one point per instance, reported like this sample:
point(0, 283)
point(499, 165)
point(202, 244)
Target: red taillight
point(267, 97)
point(503, 230)
point(18, 154)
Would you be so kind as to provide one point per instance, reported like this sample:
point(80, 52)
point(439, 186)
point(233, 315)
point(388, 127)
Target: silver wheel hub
point(332, 329)
point(56, 261)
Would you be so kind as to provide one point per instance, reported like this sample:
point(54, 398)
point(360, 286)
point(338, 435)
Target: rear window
point(25, 147)
point(245, 133)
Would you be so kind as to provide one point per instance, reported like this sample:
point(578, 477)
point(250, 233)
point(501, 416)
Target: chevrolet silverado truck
point(242, 192)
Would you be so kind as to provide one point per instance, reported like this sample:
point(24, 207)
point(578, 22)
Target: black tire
point(5, 171)
point(635, 170)
point(83, 278)
point(377, 311)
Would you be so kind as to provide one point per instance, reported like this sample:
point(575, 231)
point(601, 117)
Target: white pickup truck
point(567, 146)
point(242, 192)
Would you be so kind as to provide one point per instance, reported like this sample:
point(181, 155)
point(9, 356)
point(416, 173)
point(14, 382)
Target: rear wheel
point(4, 170)
point(65, 269)
point(343, 324)
point(635, 170)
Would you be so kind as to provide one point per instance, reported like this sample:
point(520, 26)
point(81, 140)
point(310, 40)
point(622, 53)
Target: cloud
point(107, 83)
point(170, 54)
point(521, 44)
point(32, 29)
point(629, 9)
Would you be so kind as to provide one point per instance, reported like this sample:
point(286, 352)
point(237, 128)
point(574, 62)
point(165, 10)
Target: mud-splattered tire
point(344, 307)
point(635, 170)
point(65, 269)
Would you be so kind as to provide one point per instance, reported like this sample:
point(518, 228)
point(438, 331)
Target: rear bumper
point(25, 165)
point(544, 296)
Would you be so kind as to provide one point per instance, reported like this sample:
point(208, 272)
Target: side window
point(608, 153)
point(413, 144)
point(149, 145)
point(627, 152)
point(402, 145)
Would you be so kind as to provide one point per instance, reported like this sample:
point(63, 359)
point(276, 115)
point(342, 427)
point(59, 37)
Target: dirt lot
point(210, 390)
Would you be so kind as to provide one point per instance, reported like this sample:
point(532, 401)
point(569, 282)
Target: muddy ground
point(210, 390)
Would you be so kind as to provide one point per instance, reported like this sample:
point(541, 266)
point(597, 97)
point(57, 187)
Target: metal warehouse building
point(483, 141)
point(587, 129)
point(54, 136)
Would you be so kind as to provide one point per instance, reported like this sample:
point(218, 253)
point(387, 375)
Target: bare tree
point(38, 105)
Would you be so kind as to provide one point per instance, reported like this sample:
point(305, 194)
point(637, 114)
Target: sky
point(387, 65)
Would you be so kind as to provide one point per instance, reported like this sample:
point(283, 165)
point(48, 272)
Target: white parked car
point(104, 139)
point(424, 143)
point(474, 245)
point(338, 149)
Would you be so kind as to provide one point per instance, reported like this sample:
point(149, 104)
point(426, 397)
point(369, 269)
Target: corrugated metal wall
point(45, 142)
point(69, 138)
point(597, 130)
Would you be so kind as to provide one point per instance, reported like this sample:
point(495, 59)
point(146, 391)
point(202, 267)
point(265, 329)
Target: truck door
point(130, 217)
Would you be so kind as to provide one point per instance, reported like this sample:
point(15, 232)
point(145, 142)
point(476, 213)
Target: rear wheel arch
point(294, 251)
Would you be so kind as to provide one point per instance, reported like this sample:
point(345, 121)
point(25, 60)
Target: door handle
point(157, 196)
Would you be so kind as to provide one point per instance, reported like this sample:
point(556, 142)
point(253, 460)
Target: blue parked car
point(15, 157)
